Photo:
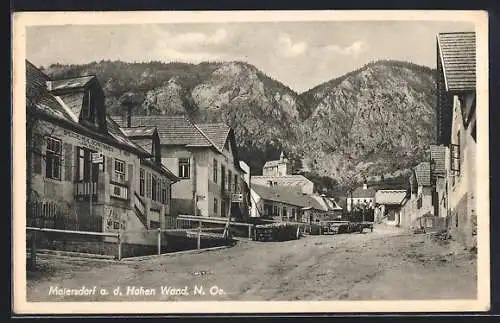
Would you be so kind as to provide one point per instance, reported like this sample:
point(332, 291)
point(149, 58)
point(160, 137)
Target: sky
point(301, 55)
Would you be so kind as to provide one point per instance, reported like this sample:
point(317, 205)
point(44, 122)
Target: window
point(223, 176)
point(284, 214)
point(154, 224)
point(184, 167)
point(148, 184)
point(215, 171)
point(275, 210)
point(83, 165)
point(229, 177)
point(293, 213)
point(236, 182)
point(158, 189)
point(216, 206)
point(164, 188)
point(419, 202)
point(53, 161)
point(119, 170)
point(142, 181)
point(154, 187)
point(223, 208)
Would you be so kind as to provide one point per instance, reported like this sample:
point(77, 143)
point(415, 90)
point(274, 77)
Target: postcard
point(250, 162)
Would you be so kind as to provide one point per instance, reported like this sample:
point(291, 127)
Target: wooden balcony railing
point(119, 190)
point(85, 189)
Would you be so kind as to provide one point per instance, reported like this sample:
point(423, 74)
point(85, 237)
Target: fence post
point(159, 241)
point(199, 235)
point(119, 245)
point(33, 250)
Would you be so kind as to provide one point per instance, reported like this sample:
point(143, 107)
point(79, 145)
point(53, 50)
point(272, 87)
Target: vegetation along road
point(383, 265)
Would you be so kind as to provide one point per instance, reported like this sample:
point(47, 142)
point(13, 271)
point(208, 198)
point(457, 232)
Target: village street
point(386, 264)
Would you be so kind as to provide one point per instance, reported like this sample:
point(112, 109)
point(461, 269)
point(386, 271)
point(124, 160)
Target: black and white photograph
point(259, 161)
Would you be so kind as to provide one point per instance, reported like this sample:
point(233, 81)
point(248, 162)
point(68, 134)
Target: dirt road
point(383, 265)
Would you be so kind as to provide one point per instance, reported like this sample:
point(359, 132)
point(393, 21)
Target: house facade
point(388, 205)
point(204, 157)
point(279, 173)
point(289, 204)
point(80, 159)
point(362, 195)
point(456, 59)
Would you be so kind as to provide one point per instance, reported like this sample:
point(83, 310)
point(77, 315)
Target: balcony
point(118, 190)
point(101, 189)
point(83, 190)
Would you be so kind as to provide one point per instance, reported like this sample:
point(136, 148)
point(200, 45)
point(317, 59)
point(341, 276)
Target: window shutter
point(109, 166)
point(68, 162)
point(455, 158)
point(148, 184)
point(37, 155)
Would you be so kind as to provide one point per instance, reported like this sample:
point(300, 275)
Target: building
point(439, 162)
point(289, 204)
point(83, 162)
point(388, 205)
point(456, 123)
point(279, 173)
point(362, 195)
point(206, 162)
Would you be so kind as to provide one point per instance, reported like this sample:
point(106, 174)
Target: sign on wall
point(97, 158)
point(88, 142)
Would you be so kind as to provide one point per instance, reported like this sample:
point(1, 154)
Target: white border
point(21, 306)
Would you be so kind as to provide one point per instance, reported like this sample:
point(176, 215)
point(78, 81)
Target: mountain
point(374, 121)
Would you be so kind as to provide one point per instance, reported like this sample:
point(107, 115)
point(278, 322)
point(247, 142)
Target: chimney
point(127, 114)
point(48, 85)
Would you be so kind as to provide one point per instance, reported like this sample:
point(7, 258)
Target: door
point(83, 165)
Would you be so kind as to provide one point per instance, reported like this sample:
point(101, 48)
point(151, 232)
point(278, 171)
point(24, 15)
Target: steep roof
point(271, 163)
point(139, 131)
point(458, 56)
point(390, 197)
point(43, 102)
point(172, 130)
point(72, 83)
point(287, 196)
point(359, 192)
point(438, 154)
point(423, 174)
point(180, 131)
point(217, 132)
point(288, 180)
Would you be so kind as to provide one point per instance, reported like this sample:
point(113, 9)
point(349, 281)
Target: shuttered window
point(53, 158)
point(154, 187)
point(164, 188)
point(215, 171)
point(148, 184)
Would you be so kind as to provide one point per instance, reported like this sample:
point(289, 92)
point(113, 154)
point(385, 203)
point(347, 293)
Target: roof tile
point(172, 130)
point(390, 196)
point(458, 55)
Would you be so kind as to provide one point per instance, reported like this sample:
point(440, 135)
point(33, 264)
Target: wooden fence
point(41, 214)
